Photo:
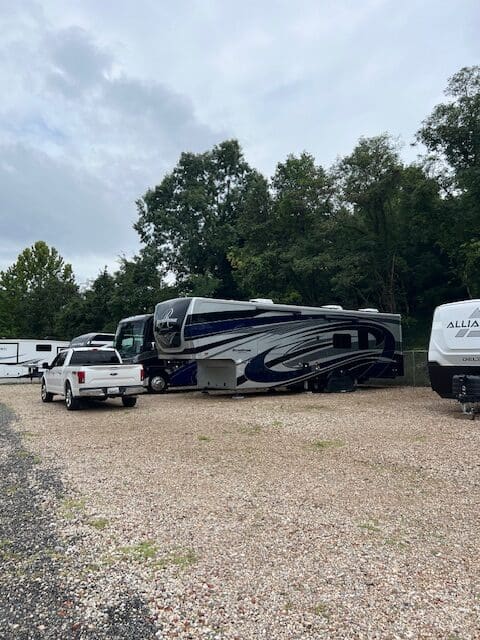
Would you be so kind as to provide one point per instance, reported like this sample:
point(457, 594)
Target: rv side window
point(43, 347)
point(362, 339)
point(342, 341)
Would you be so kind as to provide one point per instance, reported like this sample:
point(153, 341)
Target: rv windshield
point(169, 319)
point(130, 338)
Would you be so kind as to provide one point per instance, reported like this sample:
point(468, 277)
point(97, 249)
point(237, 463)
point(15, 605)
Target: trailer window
point(43, 347)
point(101, 356)
point(342, 341)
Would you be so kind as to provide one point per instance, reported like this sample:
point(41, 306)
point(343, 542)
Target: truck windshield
point(130, 338)
point(168, 323)
point(94, 357)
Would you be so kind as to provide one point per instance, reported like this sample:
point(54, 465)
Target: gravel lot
point(276, 516)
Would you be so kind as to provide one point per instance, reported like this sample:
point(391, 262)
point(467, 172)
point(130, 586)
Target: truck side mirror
point(45, 365)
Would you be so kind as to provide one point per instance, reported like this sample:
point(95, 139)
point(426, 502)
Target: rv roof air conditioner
point(370, 310)
point(261, 300)
point(333, 307)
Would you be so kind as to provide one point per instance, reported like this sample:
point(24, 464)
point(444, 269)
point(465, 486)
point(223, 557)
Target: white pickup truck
point(91, 373)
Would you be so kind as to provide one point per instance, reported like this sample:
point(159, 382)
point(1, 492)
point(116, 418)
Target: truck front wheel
point(46, 395)
point(70, 401)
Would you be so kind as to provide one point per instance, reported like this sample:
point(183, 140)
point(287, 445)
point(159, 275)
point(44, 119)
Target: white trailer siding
point(454, 347)
point(20, 358)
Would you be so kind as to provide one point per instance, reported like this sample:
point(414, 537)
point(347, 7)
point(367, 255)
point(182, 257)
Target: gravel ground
point(281, 516)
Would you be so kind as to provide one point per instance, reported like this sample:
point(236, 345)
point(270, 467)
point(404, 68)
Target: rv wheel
point(157, 384)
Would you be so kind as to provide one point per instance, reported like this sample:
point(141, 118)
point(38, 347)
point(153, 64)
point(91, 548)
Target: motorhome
point(135, 342)
point(21, 358)
point(454, 352)
point(256, 344)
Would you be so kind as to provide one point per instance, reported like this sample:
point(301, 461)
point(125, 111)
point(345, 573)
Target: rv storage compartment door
point(216, 374)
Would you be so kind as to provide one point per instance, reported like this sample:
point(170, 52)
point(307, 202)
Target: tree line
point(371, 230)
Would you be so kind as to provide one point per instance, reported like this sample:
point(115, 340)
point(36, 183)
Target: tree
point(367, 257)
point(452, 136)
point(284, 227)
point(188, 222)
point(33, 290)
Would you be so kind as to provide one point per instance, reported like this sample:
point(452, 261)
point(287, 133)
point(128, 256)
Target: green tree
point(188, 222)
point(284, 230)
point(452, 136)
point(34, 289)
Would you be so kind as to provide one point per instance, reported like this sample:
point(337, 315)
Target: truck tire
point(45, 395)
point(157, 383)
point(70, 401)
point(129, 401)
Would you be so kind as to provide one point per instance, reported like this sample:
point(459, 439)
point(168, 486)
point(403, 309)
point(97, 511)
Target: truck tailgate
point(122, 375)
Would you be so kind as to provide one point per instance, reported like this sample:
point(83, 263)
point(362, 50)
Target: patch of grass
point(277, 423)
point(10, 490)
point(204, 439)
point(322, 445)
point(28, 434)
point(396, 542)
point(141, 551)
point(321, 609)
point(180, 559)
point(370, 525)
point(98, 523)
point(419, 439)
point(72, 507)
point(251, 430)
point(22, 454)
point(36, 459)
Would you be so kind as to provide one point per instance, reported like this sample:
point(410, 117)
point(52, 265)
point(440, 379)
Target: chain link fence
point(415, 366)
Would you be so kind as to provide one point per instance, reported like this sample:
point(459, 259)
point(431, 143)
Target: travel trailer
point(256, 344)
point(135, 343)
point(454, 353)
point(22, 358)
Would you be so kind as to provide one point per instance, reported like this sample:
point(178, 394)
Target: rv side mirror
point(45, 365)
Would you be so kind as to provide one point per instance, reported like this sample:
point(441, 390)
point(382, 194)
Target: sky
point(100, 98)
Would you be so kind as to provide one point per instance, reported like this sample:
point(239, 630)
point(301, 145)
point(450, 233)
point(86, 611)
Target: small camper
point(454, 353)
point(21, 358)
point(93, 340)
point(256, 344)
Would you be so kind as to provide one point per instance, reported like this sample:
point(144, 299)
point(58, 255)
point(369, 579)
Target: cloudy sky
point(100, 98)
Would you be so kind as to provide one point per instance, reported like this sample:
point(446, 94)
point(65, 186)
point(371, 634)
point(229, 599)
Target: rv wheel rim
point(158, 383)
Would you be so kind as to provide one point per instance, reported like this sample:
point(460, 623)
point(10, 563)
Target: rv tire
point(157, 383)
point(46, 395)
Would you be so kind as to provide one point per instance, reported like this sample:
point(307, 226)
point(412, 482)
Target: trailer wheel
point(157, 383)
point(129, 401)
point(70, 401)
point(46, 395)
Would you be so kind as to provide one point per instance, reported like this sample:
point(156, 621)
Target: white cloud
point(100, 98)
